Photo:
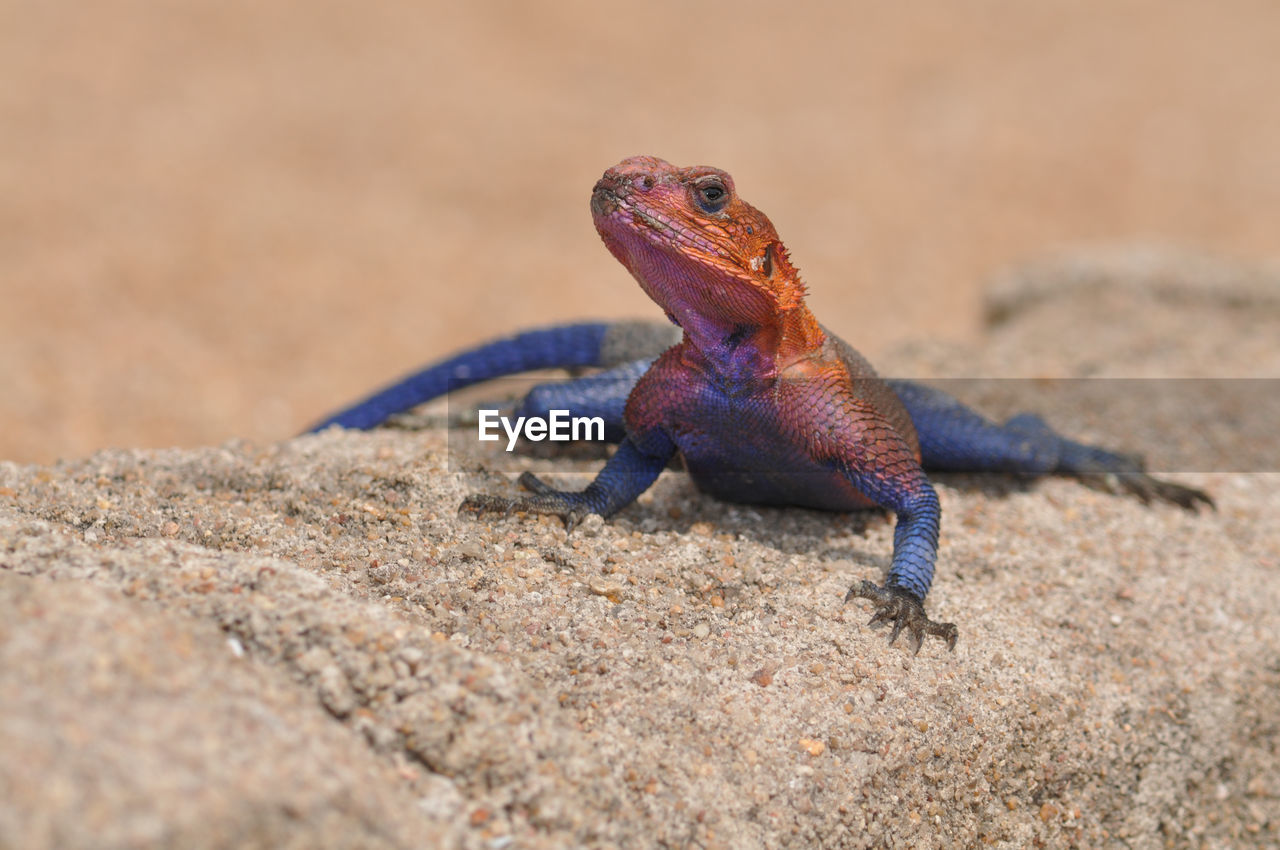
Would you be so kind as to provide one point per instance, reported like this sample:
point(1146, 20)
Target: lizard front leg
point(900, 601)
point(857, 440)
point(625, 476)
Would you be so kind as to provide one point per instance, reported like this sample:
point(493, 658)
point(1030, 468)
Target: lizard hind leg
point(601, 395)
point(1113, 472)
point(1103, 469)
point(956, 438)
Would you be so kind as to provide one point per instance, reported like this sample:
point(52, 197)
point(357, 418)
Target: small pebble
point(812, 746)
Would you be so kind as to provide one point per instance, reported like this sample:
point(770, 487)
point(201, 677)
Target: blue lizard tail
point(562, 346)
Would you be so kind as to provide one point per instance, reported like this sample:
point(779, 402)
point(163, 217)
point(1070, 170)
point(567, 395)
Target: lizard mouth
point(607, 200)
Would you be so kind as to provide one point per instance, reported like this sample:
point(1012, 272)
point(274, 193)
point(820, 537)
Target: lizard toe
point(1153, 489)
point(480, 504)
point(1147, 489)
point(534, 484)
point(550, 503)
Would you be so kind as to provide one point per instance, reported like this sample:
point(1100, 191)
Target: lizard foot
point(898, 606)
point(1150, 489)
point(545, 500)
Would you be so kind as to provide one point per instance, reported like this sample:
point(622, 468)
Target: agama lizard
point(761, 402)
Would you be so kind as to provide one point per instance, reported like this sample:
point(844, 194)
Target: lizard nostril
point(648, 181)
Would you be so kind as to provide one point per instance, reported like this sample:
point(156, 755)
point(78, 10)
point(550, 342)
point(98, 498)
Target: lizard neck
point(749, 345)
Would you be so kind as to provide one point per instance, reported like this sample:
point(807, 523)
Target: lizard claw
point(483, 503)
point(896, 605)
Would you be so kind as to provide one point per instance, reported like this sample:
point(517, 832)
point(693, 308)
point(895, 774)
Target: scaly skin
point(762, 404)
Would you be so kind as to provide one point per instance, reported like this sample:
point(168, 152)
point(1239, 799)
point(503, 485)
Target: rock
point(409, 678)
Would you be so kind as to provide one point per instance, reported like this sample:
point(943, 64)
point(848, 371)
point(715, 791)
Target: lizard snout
point(634, 174)
point(604, 198)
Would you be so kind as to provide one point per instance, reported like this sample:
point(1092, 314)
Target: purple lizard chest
point(752, 442)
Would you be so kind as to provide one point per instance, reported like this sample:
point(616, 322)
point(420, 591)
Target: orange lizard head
point(698, 249)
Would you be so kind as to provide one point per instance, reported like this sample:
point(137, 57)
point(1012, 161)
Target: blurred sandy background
point(223, 218)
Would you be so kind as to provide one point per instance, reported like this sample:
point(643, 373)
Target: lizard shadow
point(677, 506)
point(826, 537)
point(793, 530)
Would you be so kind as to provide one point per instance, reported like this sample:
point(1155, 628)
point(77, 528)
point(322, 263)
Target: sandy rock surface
point(301, 644)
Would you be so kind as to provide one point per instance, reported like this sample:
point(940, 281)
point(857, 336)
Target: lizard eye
point(711, 195)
